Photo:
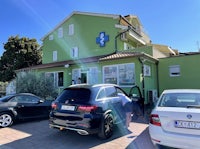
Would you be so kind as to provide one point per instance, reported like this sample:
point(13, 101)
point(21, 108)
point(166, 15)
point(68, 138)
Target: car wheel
point(157, 146)
point(6, 119)
point(106, 128)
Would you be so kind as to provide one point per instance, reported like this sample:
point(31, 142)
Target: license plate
point(70, 108)
point(187, 124)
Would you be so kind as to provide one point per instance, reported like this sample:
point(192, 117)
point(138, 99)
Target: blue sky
point(175, 23)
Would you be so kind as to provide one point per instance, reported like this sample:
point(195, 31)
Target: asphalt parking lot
point(38, 135)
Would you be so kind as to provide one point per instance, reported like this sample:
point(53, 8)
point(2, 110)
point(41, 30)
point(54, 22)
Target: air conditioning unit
point(152, 96)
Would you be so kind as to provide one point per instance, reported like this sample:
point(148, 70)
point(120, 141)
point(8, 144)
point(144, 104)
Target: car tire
point(6, 119)
point(106, 127)
point(157, 146)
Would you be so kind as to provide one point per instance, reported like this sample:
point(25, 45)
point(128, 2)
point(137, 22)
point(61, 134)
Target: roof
point(63, 63)
point(182, 55)
point(81, 13)
point(165, 49)
point(91, 85)
point(133, 17)
point(113, 56)
point(182, 91)
point(127, 54)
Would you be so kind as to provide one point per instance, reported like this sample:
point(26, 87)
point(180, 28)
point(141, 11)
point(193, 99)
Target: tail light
point(155, 120)
point(54, 106)
point(87, 108)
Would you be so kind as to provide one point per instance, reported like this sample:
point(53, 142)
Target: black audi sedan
point(89, 109)
point(22, 106)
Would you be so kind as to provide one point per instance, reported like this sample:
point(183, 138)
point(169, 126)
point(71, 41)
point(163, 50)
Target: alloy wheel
point(108, 125)
point(5, 120)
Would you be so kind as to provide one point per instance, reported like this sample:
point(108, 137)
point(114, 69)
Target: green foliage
point(3, 88)
point(19, 53)
point(36, 83)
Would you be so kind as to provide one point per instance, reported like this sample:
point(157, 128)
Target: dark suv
point(88, 109)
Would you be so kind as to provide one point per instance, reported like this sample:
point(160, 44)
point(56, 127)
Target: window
point(80, 95)
point(57, 78)
point(123, 74)
point(31, 99)
point(17, 99)
point(111, 92)
point(54, 56)
point(126, 74)
point(174, 70)
point(76, 74)
point(127, 46)
point(60, 32)
point(110, 74)
point(90, 74)
point(179, 99)
point(71, 29)
point(50, 37)
point(102, 94)
point(93, 75)
point(74, 52)
point(123, 37)
point(137, 28)
point(24, 99)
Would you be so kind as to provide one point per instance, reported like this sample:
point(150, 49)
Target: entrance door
point(84, 77)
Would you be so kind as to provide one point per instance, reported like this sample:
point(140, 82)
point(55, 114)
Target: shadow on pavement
point(40, 136)
point(141, 141)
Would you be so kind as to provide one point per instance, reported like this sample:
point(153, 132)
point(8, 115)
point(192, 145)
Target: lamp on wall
point(66, 66)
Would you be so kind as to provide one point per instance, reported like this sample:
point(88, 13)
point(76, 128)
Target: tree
point(19, 53)
point(3, 88)
point(36, 83)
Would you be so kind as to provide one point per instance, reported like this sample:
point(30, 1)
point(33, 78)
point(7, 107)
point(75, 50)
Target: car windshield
point(180, 100)
point(75, 95)
point(5, 98)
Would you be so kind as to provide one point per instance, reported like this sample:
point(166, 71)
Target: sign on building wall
point(102, 39)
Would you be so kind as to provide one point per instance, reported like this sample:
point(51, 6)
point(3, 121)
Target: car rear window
point(75, 95)
point(5, 98)
point(180, 99)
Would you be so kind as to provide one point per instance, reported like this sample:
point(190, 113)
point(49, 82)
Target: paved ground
point(38, 135)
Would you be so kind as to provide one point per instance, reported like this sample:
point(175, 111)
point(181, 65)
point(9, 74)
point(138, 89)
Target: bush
point(36, 83)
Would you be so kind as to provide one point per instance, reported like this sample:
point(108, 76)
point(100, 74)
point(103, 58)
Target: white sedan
point(175, 120)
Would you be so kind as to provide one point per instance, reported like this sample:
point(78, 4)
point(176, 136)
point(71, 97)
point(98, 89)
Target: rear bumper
point(83, 127)
point(80, 131)
point(176, 140)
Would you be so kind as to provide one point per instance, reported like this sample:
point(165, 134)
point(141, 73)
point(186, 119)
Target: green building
point(103, 48)
point(179, 71)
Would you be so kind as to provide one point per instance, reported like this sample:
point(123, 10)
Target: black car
point(88, 109)
point(22, 106)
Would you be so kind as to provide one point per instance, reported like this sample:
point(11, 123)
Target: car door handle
point(20, 106)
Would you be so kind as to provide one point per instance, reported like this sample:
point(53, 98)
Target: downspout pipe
point(158, 87)
point(143, 84)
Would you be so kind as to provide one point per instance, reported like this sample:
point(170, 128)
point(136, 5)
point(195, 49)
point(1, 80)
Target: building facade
point(102, 48)
point(179, 72)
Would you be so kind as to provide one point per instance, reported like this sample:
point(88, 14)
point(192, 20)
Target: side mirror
point(134, 95)
point(40, 101)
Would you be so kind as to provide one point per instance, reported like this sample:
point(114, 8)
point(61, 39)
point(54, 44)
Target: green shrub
point(36, 83)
